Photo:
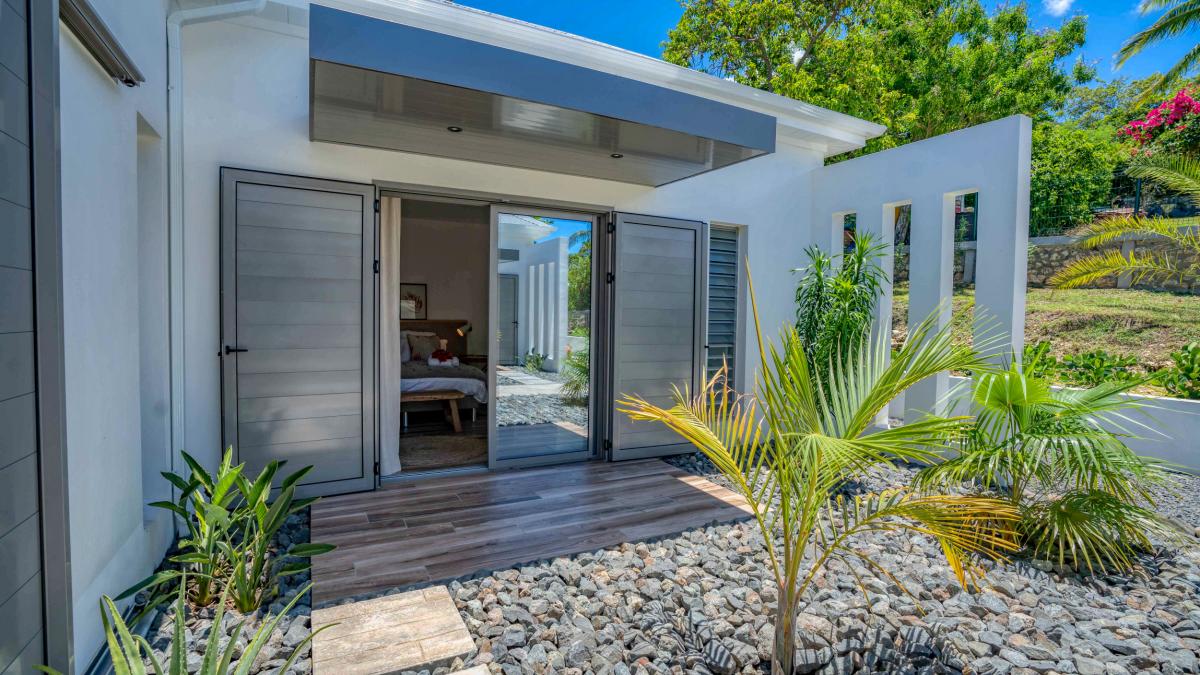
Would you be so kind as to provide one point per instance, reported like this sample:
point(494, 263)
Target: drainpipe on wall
point(175, 22)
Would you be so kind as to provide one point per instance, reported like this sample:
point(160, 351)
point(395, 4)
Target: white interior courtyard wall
point(115, 312)
point(991, 159)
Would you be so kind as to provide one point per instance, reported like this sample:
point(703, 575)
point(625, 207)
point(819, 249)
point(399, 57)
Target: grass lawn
point(1145, 324)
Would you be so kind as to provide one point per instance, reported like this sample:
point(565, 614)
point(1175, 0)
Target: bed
point(419, 376)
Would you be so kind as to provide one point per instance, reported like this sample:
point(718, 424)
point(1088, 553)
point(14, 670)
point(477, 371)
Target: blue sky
point(642, 25)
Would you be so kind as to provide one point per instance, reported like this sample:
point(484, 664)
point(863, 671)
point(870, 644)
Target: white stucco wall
point(246, 106)
point(106, 300)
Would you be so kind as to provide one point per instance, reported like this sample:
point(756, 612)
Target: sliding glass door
point(543, 291)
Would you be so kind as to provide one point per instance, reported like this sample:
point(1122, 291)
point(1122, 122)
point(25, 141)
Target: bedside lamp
point(464, 329)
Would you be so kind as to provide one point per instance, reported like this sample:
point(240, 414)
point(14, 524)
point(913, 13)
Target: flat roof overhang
point(388, 85)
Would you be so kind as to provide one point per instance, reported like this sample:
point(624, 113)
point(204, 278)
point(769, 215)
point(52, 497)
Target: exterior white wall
point(246, 106)
point(991, 159)
point(541, 275)
point(107, 301)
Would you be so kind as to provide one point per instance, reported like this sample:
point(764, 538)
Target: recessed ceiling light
point(616, 155)
point(454, 129)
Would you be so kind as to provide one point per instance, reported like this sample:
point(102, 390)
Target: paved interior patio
point(413, 533)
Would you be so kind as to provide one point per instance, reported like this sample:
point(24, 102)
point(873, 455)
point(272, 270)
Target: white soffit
point(799, 123)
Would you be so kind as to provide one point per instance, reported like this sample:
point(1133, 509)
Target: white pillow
point(405, 348)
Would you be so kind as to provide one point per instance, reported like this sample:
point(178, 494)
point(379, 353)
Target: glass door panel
point(542, 363)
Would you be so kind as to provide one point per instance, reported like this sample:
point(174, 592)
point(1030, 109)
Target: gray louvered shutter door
point(298, 296)
point(658, 301)
point(722, 301)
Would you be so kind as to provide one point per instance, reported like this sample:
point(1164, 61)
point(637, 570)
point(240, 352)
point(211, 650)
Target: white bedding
point(476, 389)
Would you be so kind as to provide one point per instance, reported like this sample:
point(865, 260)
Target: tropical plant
point(577, 371)
point(253, 569)
point(1167, 127)
point(1183, 378)
point(206, 505)
point(1039, 362)
point(835, 303)
point(232, 525)
point(129, 652)
point(786, 448)
point(1177, 173)
point(1094, 368)
point(1178, 17)
point(1051, 454)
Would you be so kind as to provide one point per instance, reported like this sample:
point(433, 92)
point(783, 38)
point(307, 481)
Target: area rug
point(424, 452)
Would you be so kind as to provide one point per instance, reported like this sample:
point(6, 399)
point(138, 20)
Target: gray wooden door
point(657, 324)
point(507, 286)
point(297, 288)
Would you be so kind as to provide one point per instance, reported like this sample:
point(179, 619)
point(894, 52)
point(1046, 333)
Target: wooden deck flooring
point(440, 528)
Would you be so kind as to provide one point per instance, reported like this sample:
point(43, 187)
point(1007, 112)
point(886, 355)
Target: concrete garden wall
point(1171, 432)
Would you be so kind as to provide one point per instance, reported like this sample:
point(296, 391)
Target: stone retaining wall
point(1048, 255)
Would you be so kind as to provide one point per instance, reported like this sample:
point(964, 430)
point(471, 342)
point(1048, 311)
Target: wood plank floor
point(445, 527)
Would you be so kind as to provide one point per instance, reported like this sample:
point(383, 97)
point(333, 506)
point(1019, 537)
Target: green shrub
point(1039, 362)
point(534, 362)
point(129, 652)
point(835, 304)
point(577, 372)
point(1183, 378)
point(1084, 497)
point(1094, 368)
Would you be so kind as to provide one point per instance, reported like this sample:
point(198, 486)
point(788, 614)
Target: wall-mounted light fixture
point(464, 329)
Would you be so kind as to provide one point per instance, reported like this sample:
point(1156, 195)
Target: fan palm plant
point(1176, 173)
point(788, 447)
point(1051, 453)
point(1179, 17)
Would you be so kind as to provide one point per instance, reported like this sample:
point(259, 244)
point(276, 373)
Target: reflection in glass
point(543, 336)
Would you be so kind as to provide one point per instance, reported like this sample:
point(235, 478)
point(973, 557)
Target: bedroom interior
point(434, 293)
point(444, 395)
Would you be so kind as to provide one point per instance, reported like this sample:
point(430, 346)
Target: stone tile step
point(416, 630)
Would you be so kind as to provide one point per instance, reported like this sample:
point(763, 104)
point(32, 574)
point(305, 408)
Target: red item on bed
point(441, 355)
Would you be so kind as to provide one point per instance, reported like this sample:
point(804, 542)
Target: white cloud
point(1057, 7)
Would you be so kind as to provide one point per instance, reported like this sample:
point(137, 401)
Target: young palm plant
point(1050, 453)
point(1179, 174)
point(787, 448)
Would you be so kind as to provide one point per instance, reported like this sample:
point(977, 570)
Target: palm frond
point(1139, 266)
point(1092, 530)
point(964, 526)
point(1110, 230)
point(1179, 18)
point(1178, 173)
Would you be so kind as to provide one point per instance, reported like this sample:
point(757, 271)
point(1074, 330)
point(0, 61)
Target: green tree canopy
point(1072, 172)
point(919, 67)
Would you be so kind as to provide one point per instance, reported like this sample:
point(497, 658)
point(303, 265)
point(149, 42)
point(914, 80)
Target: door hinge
point(608, 444)
point(612, 224)
point(610, 277)
point(376, 266)
point(376, 468)
point(376, 206)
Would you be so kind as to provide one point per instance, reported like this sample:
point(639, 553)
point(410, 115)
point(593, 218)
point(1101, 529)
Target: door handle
point(230, 350)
